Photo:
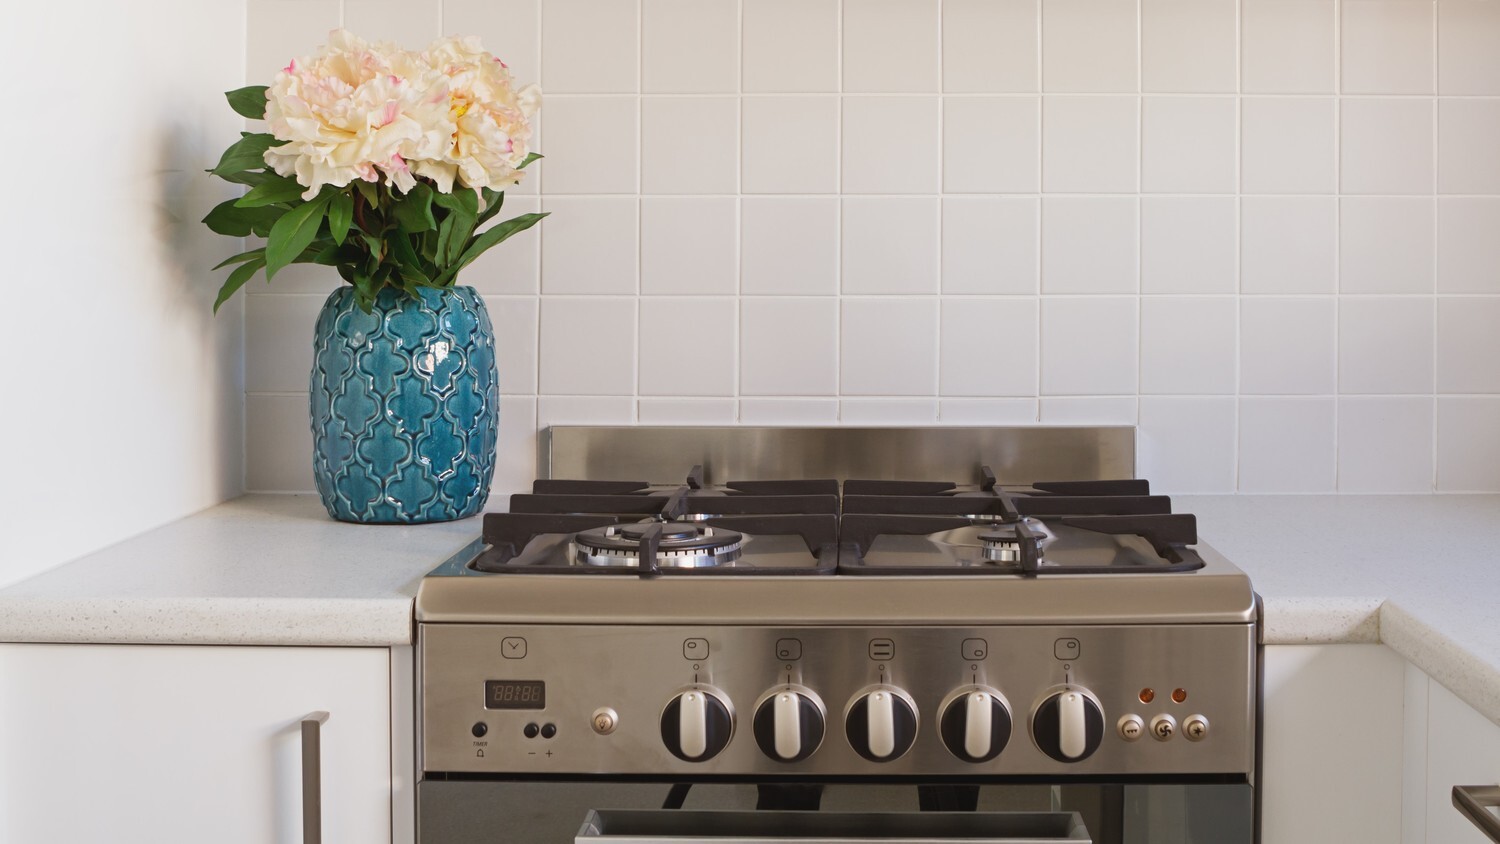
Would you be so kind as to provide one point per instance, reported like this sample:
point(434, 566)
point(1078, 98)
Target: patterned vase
point(405, 406)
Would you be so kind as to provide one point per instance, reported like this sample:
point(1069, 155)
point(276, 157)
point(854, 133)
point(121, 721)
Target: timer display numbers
point(515, 694)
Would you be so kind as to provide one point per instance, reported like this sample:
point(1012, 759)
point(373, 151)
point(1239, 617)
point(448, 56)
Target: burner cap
point(1001, 544)
point(682, 545)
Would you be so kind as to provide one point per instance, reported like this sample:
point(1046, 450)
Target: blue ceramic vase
point(405, 406)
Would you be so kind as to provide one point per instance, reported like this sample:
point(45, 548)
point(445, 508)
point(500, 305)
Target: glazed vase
point(405, 406)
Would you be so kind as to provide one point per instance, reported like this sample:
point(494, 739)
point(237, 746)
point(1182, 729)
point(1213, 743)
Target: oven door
point(553, 812)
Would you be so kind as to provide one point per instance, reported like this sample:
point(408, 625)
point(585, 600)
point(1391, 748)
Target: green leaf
point(370, 192)
point(530, 157)
point(293, 233)
point(271, 191)
point(243, 256)
point(494, 201)
point(248, 153)
point(406, 257)
point(414, 210)
point(340, 215)
point(237, 280)
point(249, 101)
point(486, 239)
point(465, 201)
point(228, 219)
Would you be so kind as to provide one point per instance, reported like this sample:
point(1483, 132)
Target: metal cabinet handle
point(1475, 801)
point(312, 777)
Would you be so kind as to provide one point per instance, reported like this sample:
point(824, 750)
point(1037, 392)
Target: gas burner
point(681, 545)
point(1002, 542)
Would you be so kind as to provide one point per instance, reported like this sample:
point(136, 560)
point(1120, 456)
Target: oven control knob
point(974, 722)
point(881, 723)
point(789, 723)
point(697, 724)
point(1068, 724)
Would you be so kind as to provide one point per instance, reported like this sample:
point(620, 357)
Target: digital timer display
point(515, 694)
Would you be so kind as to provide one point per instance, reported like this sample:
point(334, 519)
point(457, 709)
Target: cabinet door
point(1463, 748)
point(1332, 770)
point(165, 744)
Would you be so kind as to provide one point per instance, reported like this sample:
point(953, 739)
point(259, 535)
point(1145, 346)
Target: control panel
point(832, 701)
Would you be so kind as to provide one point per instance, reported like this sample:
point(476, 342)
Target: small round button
point(605, 720)
point(1163, 727)
point(1131, 727)
point(1195, 728)
point(549, 730)
point(531, 730)
point(479, 729)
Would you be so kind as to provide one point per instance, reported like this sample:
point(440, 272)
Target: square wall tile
point(888, 347)
point(1287, 143)
point(990, 144)
point(890, 245)
point(584, 410)
point(1288, 46)
point(987, 411)
point(1189, 144)
point(1089, 144)
point(789, 411)
point(789, 246)
point(513, 267)
point(1468, 452)
point(511, 29)
point(1089, 244)
point(1468, 62)
point(1089, 346)
point(277, 31)
point(1468, 135)
point(1468, 345)
point(891, 46)
point(516, 321)
point(988, 347)
point(1071, 410)
point(1385, 245)
point(1089, 46)
point(791, 45)
point(1187, 445)
point(1188, 345)
point(515, 452)
point(867, 163)
point(990, 244)
point(1189, 46)
point(706, 367)
point(888, 411)
point(1385, 47)
point(590, 145)
point(279, 327)
point(789, 347)
point(1287, 346)
point(1189, 244)
point(1385, 444)
point(588, 346)
point(589, 245)
point(278, 444)
point(990, 46)
point(1287, 244)
point(770, 164)
point(688, 411)
point(1385, 345)
point(690, 144)
point(1287, 445)
point(409, 23)
point(690, 46)
point(688, 245)
point(1468, 248)
point(582, 48)
point(1386, 145)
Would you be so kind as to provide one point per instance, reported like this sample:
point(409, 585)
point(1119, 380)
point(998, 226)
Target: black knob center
point(954, 727)
point(810, 727)
point(903, 724)
point(718, 727)
point(1046, 728)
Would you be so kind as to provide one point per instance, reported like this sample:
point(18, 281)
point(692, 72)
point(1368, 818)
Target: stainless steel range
point(920, 616)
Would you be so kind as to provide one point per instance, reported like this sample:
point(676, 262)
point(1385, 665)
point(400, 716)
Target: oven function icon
point(789, 649)
point(974, 650)
point(1067, 649)
point(695, 649)
point(882, 649)
point(513, 647)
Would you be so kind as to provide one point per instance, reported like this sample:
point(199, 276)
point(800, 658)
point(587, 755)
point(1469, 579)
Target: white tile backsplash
point(1255, 229)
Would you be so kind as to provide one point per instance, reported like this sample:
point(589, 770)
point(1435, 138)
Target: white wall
point(121, 400)
point(1264, 230)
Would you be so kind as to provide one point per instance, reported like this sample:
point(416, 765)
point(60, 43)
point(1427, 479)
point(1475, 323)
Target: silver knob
point(605, 720)
point(1195, 728)
point(1163, 727)
point(1131, 727)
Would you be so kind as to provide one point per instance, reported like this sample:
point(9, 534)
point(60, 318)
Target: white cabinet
point(166, 744)
point(1332, 769)
point(1463, 748)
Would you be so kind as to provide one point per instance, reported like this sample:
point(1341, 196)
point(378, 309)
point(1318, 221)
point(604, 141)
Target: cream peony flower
point(451, 113)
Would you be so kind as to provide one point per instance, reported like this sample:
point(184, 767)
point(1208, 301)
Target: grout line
point(1338, 220)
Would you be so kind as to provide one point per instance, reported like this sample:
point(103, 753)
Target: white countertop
point(1419, 573)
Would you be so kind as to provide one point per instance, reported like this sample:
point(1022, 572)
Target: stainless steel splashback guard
point(662, 455)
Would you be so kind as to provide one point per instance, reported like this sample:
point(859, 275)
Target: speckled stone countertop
point(1418, 573)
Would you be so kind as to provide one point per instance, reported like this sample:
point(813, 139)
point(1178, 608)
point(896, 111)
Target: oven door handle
point(312, 777)
point(1475, 801)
